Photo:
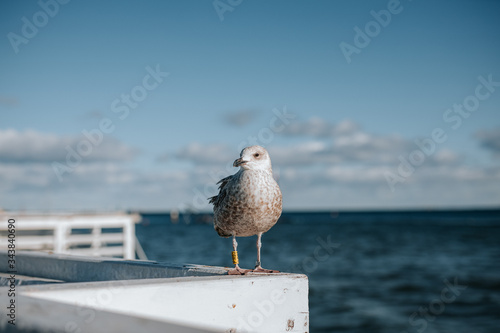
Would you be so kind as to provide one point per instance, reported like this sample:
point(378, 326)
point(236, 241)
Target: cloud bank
point(35, 147)
point(319, 165)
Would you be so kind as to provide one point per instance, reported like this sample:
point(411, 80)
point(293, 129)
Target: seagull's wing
point(219, 198)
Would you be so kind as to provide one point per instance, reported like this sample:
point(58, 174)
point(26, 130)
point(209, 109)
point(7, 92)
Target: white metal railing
point(79, 234)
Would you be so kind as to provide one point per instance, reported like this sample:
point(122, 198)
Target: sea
point(397, 271)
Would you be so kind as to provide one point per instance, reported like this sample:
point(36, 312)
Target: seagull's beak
point(238, 162)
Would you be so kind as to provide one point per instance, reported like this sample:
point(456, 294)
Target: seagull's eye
point(256, 155)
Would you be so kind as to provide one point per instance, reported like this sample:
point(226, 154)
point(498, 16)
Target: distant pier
point(99, 234)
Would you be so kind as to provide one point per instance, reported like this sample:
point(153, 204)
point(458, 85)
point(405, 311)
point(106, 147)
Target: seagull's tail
point(221, 232)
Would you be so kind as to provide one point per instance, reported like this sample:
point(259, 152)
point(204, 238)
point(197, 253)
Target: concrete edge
point(71, 268)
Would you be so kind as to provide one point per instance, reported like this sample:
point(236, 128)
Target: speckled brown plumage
point(249, 202)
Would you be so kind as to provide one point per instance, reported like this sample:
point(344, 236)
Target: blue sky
point(346, 122)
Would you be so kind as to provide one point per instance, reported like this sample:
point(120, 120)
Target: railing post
point(96, 238)
point(129, 239)
point(60, 237)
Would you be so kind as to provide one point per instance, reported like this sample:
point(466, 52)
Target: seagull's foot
point(259, 269)
point(238, 271)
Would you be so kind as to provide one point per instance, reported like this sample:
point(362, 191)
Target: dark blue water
point(368, 272)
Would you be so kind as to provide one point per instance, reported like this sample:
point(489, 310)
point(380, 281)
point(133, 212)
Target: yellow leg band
point(235, 257)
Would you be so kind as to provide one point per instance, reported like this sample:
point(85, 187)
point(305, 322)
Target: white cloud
point(318, 127)
point(94, 186)
point(446, 156)
point(490, 140)
point(31, 146)
point(206, 154)
point(329, 144)
point(306, 153)
point(346, 174)
point(240, 118)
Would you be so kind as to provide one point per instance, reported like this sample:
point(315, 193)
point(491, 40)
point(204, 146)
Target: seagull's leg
point(259, 245)
point(258, 267)
point(237, 270)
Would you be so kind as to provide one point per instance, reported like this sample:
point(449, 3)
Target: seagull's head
point(254, 158)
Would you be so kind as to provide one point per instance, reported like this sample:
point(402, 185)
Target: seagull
point(249, 203)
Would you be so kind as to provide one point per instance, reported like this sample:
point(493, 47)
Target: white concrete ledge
point(71, 268)
point(132, 296)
